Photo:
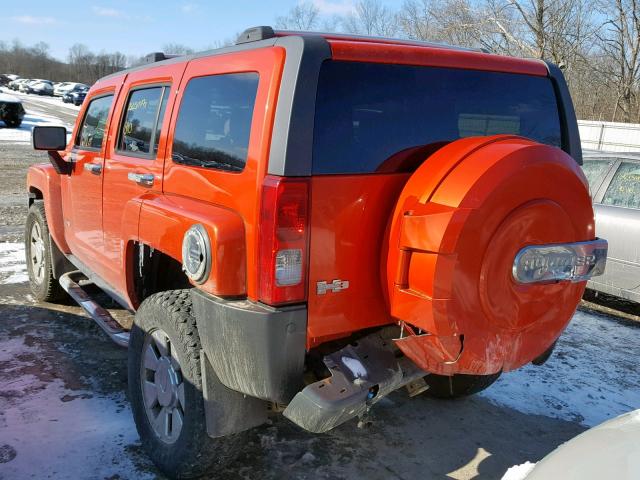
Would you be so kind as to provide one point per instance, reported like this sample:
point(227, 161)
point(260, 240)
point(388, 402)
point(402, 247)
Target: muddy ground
point(64, 412)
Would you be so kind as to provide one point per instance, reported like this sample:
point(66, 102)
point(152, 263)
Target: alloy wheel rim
point(162, 386)
point(36, 253)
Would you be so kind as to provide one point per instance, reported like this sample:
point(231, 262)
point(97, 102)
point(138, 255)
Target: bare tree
point(177, 49)
point(620, 43)
point(304, 16)
point(371, 17)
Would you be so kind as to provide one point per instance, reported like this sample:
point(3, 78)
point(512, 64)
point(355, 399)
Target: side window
point(140, 129)
point(92, 129)
point(214, 122)
point(595, 170)
point(624, 189)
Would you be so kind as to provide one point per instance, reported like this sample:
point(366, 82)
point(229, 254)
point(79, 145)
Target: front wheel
point(165, 389)
point(44, 286)
point(441, 386)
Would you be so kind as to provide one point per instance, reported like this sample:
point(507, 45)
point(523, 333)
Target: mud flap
point(227, 411)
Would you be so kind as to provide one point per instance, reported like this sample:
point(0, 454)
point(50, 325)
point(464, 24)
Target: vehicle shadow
point(408, 439)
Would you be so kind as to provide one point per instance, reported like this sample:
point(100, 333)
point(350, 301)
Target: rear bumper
point(253, 348)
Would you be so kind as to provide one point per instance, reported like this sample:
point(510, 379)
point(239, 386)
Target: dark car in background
point(614, 181)
point(41, 87)
point(11, 110)
point(76, 96)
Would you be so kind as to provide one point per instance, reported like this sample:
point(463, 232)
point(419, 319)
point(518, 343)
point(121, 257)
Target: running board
point(69, 282)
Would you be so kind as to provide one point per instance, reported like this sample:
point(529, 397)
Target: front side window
point(595, 170)
point(373, 117)
point(139, 132)
point(94, 123)
point(214, 122)
point(624, 189)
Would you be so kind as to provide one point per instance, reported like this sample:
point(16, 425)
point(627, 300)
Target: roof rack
point(254, 34)
point(158, 57)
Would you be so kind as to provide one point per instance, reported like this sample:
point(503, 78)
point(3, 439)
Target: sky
point(138, 27)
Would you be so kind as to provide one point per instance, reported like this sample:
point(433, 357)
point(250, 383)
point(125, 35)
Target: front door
point(82, 189)
point(135, 160)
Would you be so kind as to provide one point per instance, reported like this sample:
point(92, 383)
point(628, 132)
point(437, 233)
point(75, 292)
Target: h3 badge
point(335, 286)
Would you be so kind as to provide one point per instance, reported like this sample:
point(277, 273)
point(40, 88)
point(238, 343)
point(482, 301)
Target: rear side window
point(92, 129)
point(624, 189)
point(387, 118)
point(140, 128)
point(214, 122)
point(595, 171)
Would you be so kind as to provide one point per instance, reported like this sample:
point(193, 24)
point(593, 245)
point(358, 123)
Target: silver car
point(614, 181)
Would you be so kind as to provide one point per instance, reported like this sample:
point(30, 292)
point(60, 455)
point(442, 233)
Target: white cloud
point(30, 20)
point(188, 7)
point(334, 7)
point(107, 12)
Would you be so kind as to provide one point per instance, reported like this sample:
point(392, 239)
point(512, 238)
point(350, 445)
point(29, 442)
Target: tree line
point(595, 42)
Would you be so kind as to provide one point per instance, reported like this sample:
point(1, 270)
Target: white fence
point(609, 136)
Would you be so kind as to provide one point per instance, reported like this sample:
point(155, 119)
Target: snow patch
point(519, 472)
point(582, 381)
point(13, 268)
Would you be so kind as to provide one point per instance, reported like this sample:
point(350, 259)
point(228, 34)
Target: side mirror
point(49, 138)
point(52, 139)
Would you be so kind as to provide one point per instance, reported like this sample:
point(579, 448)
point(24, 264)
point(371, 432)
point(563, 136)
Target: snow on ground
point(591, 377)
point(33, 118)
point(51, 431)
point(13, 268)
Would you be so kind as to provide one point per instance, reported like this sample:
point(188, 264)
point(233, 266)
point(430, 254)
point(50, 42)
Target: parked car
point(76, 95)
point(304, 223)
point(610, 450)
point(43, 87)
point(67, 87)
point(15, 84)
point(7, 78)
point(11, 110)
point(614, 180)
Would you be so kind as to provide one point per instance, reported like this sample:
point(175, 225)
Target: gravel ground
point(64, 412)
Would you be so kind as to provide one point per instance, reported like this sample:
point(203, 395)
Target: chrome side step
point(70, 283)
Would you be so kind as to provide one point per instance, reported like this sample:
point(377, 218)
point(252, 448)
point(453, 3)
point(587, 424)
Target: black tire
point(45, 287)
point(193, 453)
point(13, 122)
point(441, 386)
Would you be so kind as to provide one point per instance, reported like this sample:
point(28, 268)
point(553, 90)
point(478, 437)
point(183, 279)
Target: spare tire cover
point(458, 224)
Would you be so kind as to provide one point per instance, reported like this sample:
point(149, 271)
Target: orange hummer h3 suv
point(304, 223)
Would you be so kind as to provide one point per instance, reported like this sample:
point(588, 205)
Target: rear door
point(82, 189)
point(135, 159)
point(617, 210)
point(374, 125)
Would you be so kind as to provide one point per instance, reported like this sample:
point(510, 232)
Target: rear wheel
point(441, 386)
point(44, 286)
point(165, 389)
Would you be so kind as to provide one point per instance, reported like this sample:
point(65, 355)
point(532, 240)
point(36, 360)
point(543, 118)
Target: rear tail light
point(284, 240)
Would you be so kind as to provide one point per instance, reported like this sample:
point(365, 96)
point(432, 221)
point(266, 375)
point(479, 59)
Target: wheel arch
point(43, 183)
point(164, 221)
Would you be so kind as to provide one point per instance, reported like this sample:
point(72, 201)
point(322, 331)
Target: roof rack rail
point(254, 34)
point(158, 57)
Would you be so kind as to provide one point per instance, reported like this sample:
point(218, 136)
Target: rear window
point(388, 118)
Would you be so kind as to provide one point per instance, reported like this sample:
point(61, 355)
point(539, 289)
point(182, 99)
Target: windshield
point(388, 118)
